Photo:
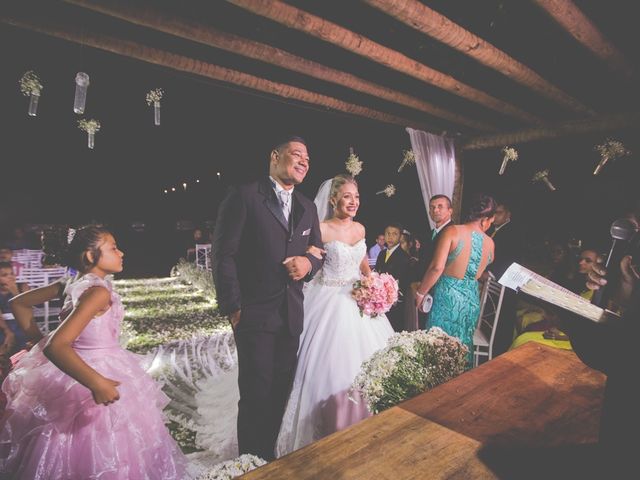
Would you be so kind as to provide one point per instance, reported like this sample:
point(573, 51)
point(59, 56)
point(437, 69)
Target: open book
point(524, 280)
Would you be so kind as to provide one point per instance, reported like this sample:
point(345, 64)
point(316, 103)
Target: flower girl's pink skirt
point(52, 428)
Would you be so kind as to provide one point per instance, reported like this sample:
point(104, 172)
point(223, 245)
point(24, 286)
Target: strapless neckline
point(345, 243)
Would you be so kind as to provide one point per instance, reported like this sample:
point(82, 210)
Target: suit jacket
point(251, 240)
point(397, 265)
point(427, 250)
point(508, 248)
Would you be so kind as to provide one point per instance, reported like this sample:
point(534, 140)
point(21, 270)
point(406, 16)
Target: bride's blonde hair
point(337, 183)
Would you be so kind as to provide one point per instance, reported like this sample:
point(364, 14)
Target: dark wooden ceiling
point(492, 72)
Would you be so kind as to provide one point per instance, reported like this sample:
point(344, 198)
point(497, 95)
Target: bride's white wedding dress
point(335, 341)
point(201, 375)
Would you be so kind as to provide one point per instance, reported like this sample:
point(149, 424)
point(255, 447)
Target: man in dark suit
point(260, 259)
point(440, 212)
point(395, 261)
point(508, 247)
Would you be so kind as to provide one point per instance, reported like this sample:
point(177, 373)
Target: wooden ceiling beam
point(573, 20)
point(206, 35)
point(422, 18)
point(327, 31)
point(194, 66)
point(603, 123)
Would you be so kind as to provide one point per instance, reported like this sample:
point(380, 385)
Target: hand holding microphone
point(622, 231)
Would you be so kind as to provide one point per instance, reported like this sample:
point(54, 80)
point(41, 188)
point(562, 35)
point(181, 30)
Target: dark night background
point(50, 176)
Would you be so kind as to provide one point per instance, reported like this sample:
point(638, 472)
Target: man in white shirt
point(376, 249)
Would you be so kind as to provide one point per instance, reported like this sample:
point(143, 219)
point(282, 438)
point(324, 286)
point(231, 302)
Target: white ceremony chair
point(203, 256)
point(38, 277)
point(491, 297)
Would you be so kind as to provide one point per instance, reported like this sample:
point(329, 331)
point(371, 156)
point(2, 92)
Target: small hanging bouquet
point(543, 176)
point(31, 87)
point(153, 98)
point(408, 159)
point(375, 294)
point(510, 154)
point(389, 191)
point(233, 468)
point(353, 163)
point(411, 363)
point(609, 150)
point(91, 127)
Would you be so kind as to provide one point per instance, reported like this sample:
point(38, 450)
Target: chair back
point(203, 256)
point(491, 297)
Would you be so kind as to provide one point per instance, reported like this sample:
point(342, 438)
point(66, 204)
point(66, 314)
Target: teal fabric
point(456, 302)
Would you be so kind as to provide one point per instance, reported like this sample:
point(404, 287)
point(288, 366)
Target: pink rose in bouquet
point(375, 294)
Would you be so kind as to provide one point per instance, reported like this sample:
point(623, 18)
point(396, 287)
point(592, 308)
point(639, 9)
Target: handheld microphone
point(622, 230)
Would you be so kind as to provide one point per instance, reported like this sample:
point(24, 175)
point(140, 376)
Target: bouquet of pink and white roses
point(376, 293)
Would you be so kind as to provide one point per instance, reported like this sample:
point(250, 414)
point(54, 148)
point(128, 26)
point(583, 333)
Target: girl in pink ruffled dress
point(80, 406)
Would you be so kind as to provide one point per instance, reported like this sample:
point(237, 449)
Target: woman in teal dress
point(461, 255)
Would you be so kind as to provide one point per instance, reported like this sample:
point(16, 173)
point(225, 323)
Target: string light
point(173, 189)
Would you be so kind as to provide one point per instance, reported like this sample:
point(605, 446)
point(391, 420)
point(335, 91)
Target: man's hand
point(234, 319)
point(596, 276)
point(297, 267)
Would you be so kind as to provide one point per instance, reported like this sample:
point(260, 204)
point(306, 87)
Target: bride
point(336, 337)
point(203, 376)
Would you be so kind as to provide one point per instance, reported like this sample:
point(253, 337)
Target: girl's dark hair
point(86, 239)
point(483, 206)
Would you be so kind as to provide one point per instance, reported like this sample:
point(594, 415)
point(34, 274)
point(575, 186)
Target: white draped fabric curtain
point(435, 162)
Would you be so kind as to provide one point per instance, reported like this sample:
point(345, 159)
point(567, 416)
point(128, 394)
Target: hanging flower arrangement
point(543, 176)
point(31, 86)
point(408, 159)
point(389, 191)
point(91, 127)
point(510, 155)
point(609, 150)
point(153, 98)
point(353, 163)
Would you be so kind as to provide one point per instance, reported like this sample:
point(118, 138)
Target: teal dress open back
point(456, 301)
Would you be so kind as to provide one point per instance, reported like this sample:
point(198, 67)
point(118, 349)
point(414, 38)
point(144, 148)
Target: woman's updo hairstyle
point(64, 246)
point(483, 206)
point(337, 183)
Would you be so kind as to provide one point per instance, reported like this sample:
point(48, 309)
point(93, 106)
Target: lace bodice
point(342, 263)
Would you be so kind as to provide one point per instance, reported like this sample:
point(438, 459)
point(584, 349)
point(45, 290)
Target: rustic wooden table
point(532, 412)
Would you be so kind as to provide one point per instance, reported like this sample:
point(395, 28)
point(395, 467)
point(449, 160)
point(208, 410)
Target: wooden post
point(457, 188)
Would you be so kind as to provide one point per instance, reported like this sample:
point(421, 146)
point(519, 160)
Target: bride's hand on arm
point(436, 267)
point(315, 251)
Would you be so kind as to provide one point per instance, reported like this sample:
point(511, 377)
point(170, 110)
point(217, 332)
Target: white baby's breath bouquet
point(411, 363)
point(154, 96)
point(30, 84)
point(609, 150)
point(408, 159)
point(233, 468)
point(89, 126)
point(389, 190)
point(510, 154)
point(353, 163)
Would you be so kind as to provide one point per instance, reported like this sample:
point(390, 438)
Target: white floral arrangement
point(609, 150)
point(30, 84)
point(510, 154)
point(233, 468)
point(408, 159)
point(154, 96)
point(543, 176)
point(389, 190)
point(411, 363)
point(353, 163)
point(89, 126)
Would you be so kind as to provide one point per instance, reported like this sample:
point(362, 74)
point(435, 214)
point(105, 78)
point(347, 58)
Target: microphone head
point(623, 229)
